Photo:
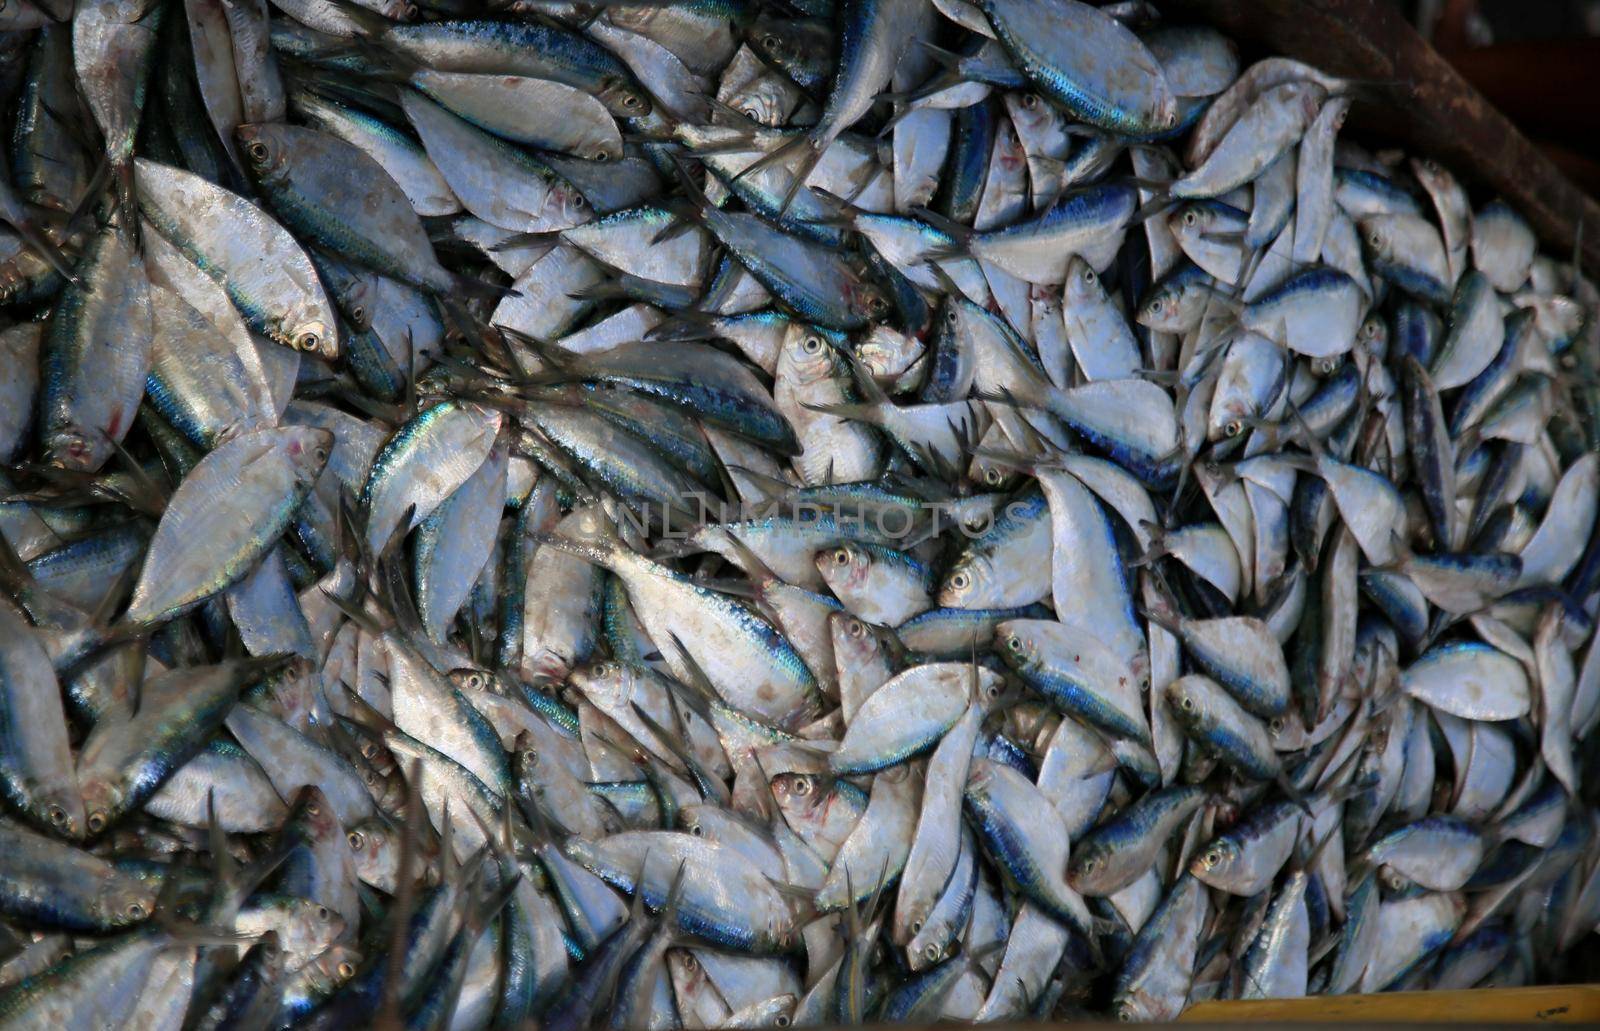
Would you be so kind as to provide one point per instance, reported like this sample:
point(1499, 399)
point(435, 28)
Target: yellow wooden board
point(1562, 1004)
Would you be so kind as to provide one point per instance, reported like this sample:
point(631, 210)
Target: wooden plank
point(1414, 95)
point(1559, 1004)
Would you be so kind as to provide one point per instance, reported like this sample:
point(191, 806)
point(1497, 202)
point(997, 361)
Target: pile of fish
point(734, 514)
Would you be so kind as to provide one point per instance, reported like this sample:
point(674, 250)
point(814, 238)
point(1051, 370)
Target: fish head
point(565, 207)
point(805, 355)
point(602, 681)
point(1017, 646)
point(844, 567)
point(1193, 221)
point(103, 801)
point(1186, 701)
point(929, 945)
point(1372, 339)
point(623, 98)
point(1087, 869)
point(269, 149)
point(1030, 113)
point(333, 968)
point(690, 986)
point(966, 579)
point(74, 448)
point(305, 927)
point(377, 853)
point(801, 797)
point(307, 448)
point(1162, 310)
point(992, 475)
point(312, 813)
point(866, 299)
point(1083, 284)
point(854, 642)
point(125, 901)
point(1217, 863)
point(469, 679)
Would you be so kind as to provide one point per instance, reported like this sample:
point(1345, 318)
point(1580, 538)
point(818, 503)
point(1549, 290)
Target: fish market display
point(738, 514)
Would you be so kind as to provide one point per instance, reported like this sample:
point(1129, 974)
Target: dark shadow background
point(1536, 60)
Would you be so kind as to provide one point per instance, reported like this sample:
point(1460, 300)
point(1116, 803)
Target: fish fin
point(810, 153)
point(36, 240)
point(961, 234)
point(1156, 207)
point(697, 676)
point(854, 411)
point(1293, 793)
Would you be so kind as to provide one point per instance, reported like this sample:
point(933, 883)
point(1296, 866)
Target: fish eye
point(136, 910)
point(696, 830)
point(1276, 725)
point(308, 341)
point(992, 692)
point(857, 628)
point(97, 821)
point(877, 305)
point(916, 927)
point(1213, 857)
point(1089, 276)
point(1124, 1015)
point(1190, 218)
point(1369, 329)
point(632, 101)
point(931, 950)
point(602, 669)
point(811, 344)
point(952, 316)
point(357, 842)
point(841, 556)
point(324, 913)
point(1014, 643)
point(770, 41)
point(802, 786)
point(782, 1020)
point(312, 809)
point(358, 312)
point(1234, 428)
point(689, 961)
point(960, 581)
point(993, 477)
point(258, 152)
point(1376, 239)
point(58, 816)
point(346, 970)
point(1186, 704)
point(1030, 101)
point(1091, 864)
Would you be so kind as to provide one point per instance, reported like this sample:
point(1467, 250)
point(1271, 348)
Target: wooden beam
point(1557, 1004)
